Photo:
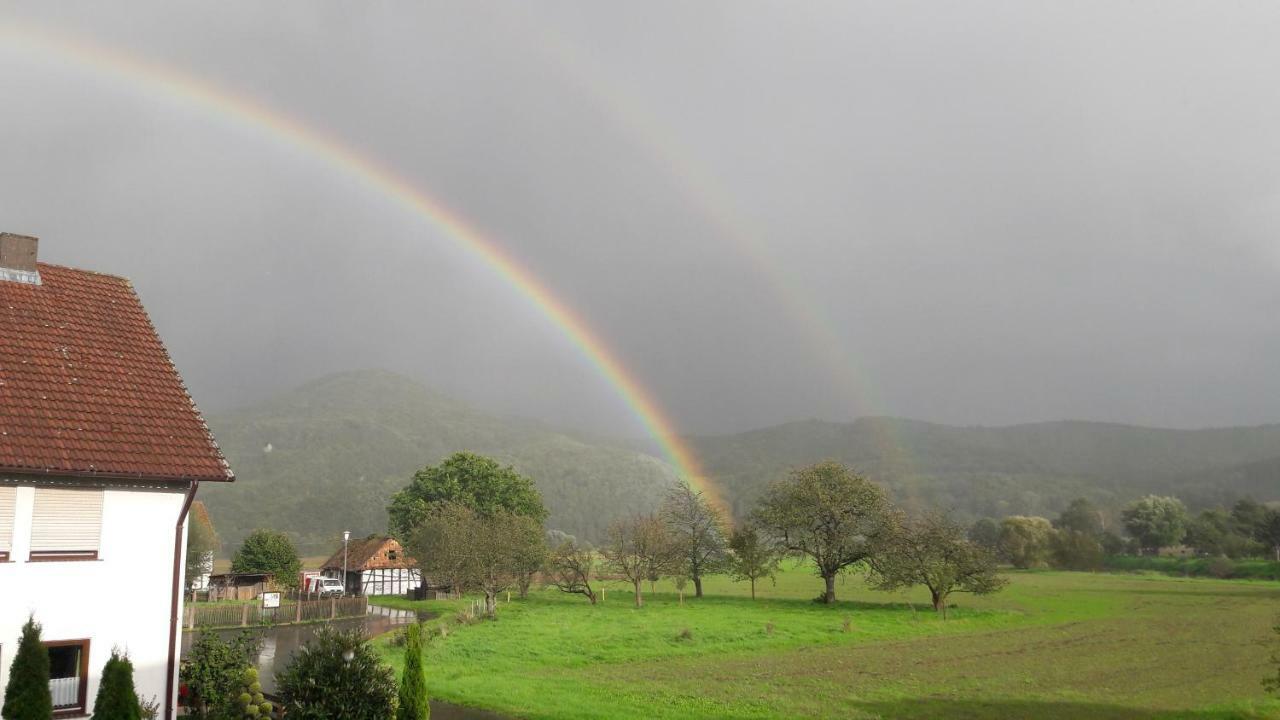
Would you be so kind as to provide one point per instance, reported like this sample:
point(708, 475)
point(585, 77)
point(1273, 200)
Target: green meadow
point(1051, 645)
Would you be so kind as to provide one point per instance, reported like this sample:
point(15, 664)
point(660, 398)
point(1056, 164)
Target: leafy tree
point(117, 699)
point(26, 697)
point(828, 514)
point(413, 683)
point(1075, 550)
point(268, 551)
point(467, 479)
point(202, 543)
point(699, 532)
point(1081, 516)
point(571, 568)
point(212, 673)
point(933, 551)
point(338, 675)
point(1215, 532)
point(640, 548)
point(1260, 522)
point(477, 551)
point(985, 533)
point(1024, 541)
point(1155, 522)
point(753, 557)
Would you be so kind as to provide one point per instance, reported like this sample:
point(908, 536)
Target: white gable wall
point(120, 600)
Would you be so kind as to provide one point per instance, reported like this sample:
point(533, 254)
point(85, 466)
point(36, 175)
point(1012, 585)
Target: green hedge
point(1196, 567)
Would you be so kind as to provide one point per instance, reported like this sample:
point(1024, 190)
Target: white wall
point(120, 600)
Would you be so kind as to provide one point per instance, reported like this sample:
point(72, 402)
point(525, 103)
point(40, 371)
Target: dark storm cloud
point(1000, 211)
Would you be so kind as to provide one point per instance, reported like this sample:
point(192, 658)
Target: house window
point(66, 524)
point(391, 555)
point(8, 503)
point(68, 675)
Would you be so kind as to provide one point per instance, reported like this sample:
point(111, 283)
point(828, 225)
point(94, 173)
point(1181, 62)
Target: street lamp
point(346, 536)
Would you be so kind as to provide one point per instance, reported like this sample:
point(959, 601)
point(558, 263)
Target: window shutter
point(8, 503)
point(66, 521)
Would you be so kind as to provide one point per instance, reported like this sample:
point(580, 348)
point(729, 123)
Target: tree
point(117, 699)
point(1155, 522)
point(268, 551)
point(212, 672)
point(828, 514)
point(338, 675)
point(1260, 522)
point(474, 481)
point(1081, 516)
point(571, 568)
point(985, 533)
point(476, 551)
point(1024, 541)
point(413, 683)
point(1075, 550)
point(1215, 532)
point(26, 696)
point(933, 551)
point(639, 548)
point(202, 543)
point(752, 557)
point(699, 532)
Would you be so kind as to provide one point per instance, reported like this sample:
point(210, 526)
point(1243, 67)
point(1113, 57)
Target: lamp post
point(346, 536)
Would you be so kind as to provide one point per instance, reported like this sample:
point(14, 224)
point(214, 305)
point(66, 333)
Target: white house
point(101, 453)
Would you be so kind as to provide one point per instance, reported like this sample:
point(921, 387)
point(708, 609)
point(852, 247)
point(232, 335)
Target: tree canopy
point(827, 513)
point(268, 551)
point(934, 552)
point(466, 479)
point(1155, 521)
point(699, 532)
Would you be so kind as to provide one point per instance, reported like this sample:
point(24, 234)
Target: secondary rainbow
point(177, 85)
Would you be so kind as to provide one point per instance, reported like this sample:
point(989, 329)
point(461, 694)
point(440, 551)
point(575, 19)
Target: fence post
point(297, 612)
point(333, 608)
point(244, 615)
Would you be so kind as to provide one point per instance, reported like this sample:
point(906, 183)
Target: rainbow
point(177, 85)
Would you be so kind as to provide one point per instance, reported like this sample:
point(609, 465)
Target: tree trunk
point(753, 588)
point(697, 586)
point(829, 596)
point(639, 595)
point(937, 601)
point(491, 604)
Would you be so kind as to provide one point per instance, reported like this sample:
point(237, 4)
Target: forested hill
point(326, 457)
point(995, 471)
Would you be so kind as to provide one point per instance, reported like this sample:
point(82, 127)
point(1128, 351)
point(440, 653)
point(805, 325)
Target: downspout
point(169, 710)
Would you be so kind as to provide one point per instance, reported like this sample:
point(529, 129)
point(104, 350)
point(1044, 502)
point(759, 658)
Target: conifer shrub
point(413, 684)
point(117, 699)
point(26, 697)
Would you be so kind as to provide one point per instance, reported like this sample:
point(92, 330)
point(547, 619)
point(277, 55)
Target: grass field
point(1052, 645)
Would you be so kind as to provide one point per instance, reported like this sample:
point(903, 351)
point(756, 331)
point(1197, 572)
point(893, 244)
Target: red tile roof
point(87, 388)
point(371, 553)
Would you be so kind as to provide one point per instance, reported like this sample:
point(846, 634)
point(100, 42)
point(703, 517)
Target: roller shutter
point(66, 523)
point(8, 501)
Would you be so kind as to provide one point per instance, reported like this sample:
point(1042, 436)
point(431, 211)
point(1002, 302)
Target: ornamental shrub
point(320, 684)
point(413, 684)
point(117, 699)
point(27, 697)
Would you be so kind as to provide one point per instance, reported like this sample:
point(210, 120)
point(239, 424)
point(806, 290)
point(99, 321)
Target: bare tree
point(639, 548)
point(753, 558)
point(699, 532)
point(571, 568)
point(485, 552)
point(828, 514)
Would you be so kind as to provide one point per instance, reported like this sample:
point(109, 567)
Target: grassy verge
point(1197, 567)
point(1053, 645)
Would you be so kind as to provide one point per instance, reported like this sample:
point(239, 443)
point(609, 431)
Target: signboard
point(270, 599)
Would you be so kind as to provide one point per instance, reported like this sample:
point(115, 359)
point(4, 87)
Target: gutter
point(169, 710)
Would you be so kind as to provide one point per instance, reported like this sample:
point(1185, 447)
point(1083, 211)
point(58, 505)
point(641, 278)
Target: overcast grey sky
point(974, 212)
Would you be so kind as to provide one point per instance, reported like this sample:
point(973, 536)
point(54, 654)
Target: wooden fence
point(290, 611)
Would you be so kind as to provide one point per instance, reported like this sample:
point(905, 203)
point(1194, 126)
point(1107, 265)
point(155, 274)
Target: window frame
point(81, 709)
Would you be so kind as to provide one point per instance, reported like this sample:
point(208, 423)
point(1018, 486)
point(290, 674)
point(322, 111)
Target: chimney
point(18, 259)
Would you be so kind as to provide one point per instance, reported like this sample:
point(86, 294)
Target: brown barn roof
point(371, 553)
point(87, 388)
